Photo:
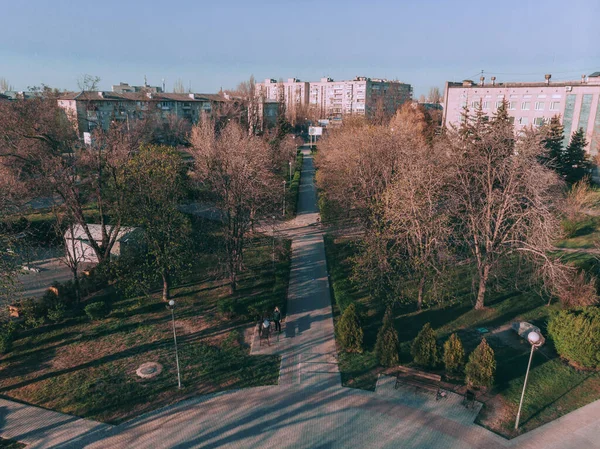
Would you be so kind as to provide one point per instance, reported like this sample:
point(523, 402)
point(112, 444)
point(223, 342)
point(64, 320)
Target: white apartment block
point(532, 104)
point(333, 99)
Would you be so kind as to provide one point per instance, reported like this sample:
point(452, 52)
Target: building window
point(554, 105)
point(539, 105)
point(512, 105)
point(524, 121)
point(475, 104)
point(525, 106)
point(486, 105)
point(539, 121)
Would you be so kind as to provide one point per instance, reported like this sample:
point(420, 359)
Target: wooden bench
point(420, 380)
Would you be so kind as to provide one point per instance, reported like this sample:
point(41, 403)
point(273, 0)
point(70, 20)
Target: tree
point(235, 167)
point(434, 95)
point(5, 85)
point(349, 332)
point(454, 354)
point(575, 161)
point(387, 345)
point(178, 87)
point(554, 136)
point(417, 219)
point(481, 367)
point(424, 348)
point(40, 144)
point(88, 83)
point(156, 184)
point(504, 199)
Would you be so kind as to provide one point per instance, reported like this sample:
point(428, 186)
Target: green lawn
point(88, 368)
point(554, 388)
point(586, 234)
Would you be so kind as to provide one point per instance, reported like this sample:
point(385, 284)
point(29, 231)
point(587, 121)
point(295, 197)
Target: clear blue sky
point(220, 43)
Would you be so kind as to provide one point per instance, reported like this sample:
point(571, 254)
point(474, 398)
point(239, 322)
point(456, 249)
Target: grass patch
point(585, 234)
point(554, 388)
point(87, 368)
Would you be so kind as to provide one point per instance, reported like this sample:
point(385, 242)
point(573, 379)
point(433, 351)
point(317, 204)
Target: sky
point(217, 44)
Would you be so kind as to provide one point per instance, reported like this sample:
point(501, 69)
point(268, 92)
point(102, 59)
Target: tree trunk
point(483, 278)
point(76, 286)
point(420, 294)
point(166, 287)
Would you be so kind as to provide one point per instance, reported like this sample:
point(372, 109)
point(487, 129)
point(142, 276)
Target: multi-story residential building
point(532, 104)
point(293, 91)
point(93, 109)
point(361, 96)
point(329, 98)
point(123, 88)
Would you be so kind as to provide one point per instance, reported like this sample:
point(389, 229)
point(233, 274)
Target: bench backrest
point(422, 374)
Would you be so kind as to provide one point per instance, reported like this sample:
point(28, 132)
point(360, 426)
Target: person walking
point(277, 319)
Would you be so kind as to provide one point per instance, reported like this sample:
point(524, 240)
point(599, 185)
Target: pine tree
point(575, 159)
point(481, 367)
point(454, 354)
point(387, 345)
point(553, 142)
point(424, 348)
point(350, 334)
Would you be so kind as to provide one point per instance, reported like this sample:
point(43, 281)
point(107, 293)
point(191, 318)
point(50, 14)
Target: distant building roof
point(140, 96)
point(594, 75)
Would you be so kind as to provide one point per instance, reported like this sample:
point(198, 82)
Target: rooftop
point(140, 96)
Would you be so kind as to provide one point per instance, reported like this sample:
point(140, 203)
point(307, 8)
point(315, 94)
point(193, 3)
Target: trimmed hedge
point(96, 310)
point(294, 188)
point(387, 345)
point(576, 336)
point(481, 367)
point(349, 332)
point(424, 348)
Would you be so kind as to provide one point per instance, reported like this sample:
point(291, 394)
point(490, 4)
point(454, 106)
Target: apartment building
point(360, 96)
point(329, 98)
point(532, 104)
point(92, 109)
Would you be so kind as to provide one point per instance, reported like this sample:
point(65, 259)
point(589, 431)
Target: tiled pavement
point(309, 408)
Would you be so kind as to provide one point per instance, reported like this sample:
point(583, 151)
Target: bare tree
point(235, 167)
point(434, 95)
point(5, 85)
point(88, 83)
point(504, 200)
point(179, 87)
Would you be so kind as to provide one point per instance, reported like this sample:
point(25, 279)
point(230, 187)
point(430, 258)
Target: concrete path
point(309, 408)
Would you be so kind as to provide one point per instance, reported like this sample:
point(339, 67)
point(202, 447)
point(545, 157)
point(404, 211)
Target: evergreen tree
point(454, 354)
point(424, 348)
point(575, 159)
point(481, 367)
point(387, 345)
point(554, 135)
point(349, 332)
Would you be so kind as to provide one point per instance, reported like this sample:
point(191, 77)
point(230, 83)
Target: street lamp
point(290, 170)
point(536, 340)
point(172, 307)
point(283, 210)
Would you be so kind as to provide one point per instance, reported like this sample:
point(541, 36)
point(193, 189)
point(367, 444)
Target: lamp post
point(273, 257)
point(283, 209)
point(536, 341)
point(290, 170)
point(172, 307)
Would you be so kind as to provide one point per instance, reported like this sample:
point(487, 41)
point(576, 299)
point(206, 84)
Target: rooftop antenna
point(145, 81)
point(190, 88)
point(163, 80)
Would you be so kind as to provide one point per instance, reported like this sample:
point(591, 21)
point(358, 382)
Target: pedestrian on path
point(277, 319)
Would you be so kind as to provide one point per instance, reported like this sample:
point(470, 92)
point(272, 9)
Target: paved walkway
point(309, 408)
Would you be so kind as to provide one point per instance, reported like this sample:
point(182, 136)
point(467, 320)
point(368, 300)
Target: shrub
point(387, 345)
point(454, 354)
point(7, 335)
point(481, 366)
point(57, 312)
point(576, 336)
point(350, 334)
point(227, 307)
point(96, 310)
point(424, 348)
point(34, 312)
point(569, 228)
